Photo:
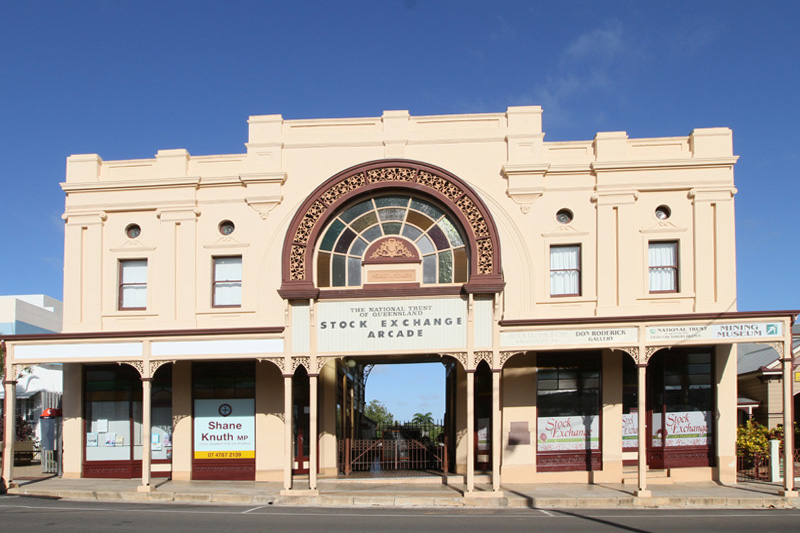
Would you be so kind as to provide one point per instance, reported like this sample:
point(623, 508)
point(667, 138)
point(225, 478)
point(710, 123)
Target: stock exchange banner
point(568, 433)
point(682, 428)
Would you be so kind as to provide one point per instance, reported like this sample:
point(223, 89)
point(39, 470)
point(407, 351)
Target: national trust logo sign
point(389, 325)
point(741, 330)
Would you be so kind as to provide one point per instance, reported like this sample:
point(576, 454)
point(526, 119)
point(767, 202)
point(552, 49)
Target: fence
point(765, 466)
point(753, 467)
point(412, 446)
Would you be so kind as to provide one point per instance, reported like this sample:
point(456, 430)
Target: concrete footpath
point(408, 493)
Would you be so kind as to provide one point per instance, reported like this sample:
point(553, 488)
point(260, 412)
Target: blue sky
point(125, 79)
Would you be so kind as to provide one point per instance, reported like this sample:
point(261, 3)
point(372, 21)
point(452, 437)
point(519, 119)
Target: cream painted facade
point(511, 205)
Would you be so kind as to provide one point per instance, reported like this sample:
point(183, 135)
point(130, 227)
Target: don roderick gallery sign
point(380, 325)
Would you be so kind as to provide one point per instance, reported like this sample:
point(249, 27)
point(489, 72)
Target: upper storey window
point(227, 290)
point(663, 266)
point(133, 284)
point(565, 270)
point(437, 235)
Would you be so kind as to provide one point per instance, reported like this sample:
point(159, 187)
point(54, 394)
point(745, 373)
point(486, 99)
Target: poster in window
point(224, 429)
point(630, 430)
point(568, 433)
point(683, 428)
point(91, 440)
point(111, 439)
point(483, 434)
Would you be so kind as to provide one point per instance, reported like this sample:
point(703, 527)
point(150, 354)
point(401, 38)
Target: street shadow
point(597, 520)
point(36, 480)
point(528, 499)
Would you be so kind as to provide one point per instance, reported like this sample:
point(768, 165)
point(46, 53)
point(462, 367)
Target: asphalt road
point(34, 514)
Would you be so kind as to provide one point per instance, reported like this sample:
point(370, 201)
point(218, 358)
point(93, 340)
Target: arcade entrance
point(402, 423)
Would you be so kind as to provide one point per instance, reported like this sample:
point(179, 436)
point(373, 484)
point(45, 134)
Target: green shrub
point(752, 439)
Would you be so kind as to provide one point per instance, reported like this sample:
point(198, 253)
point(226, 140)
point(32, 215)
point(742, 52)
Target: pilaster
point(615, 214)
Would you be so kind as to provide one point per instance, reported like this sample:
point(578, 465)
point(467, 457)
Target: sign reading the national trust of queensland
point(559, 337)
point(391, 325)
point(715, 331)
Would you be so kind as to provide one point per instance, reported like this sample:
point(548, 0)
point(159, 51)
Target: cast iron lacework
point(390, 174)
point(437, 235)
point(477, 224)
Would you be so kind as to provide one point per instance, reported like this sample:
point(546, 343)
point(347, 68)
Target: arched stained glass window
point(437, 235)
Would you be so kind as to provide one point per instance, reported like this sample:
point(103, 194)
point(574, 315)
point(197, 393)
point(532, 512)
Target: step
point(655, 477)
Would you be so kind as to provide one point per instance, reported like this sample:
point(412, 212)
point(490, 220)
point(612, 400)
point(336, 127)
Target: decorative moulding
point(375, 176)
point(525, 183)
point(562, 230)
point(264, 205)
point(663, 226)
point(74, 218)
point(391, 250)
point(177, 214)
point(132, 246)
point(613, 198)
point(226, 241)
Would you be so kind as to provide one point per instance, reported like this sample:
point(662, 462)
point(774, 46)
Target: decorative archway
point(385, 175)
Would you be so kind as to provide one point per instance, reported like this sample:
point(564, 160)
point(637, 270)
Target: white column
point(147, 428)
point(312, 433)
point(497, 434)
point(788, 423)
point(287, 432)
point(470, 430)
point(10, 427)
point(641, 397)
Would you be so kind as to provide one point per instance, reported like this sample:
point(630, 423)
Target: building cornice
point(124, 185)
point(730, 315)
point(265, 330)
point(664, 164)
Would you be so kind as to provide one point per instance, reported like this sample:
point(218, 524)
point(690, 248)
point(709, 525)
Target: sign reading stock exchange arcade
point(390, 325)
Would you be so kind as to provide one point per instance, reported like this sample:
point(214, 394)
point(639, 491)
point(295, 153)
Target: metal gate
point(394, 449)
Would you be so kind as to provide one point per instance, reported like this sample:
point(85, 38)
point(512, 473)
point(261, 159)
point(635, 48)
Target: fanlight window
point(437, 235)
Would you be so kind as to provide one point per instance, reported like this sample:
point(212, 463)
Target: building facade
point(39, 386)
point(582, 296)
point(760, 382)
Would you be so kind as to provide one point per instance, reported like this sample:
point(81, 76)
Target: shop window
point(227, 284)
point(133, 284)
point(630, 404)
point(663, 259)
point(224, 419)
point(113, 413)
point(568, 404)
point(565, 270)
point(112, 421)
point(683, 403)
point(437, 235)
point(161, 415)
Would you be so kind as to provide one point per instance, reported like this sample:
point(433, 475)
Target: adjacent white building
point(40, 386)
